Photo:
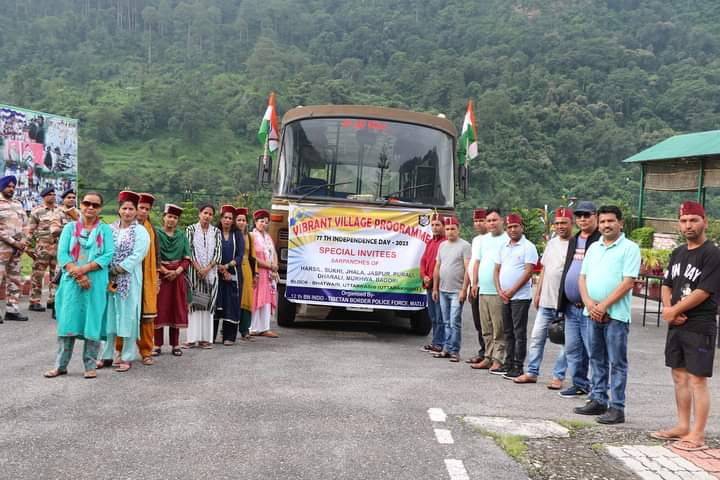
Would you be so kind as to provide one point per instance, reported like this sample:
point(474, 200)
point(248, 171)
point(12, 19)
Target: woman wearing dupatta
point(265, 291)
point(227, 313)
point(84, 254)
point(173, 297)
point(248, 273)
point(205, 242)
point(124, 303)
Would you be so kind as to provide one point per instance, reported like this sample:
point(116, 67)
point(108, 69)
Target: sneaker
point(573, 392)
point(15, 317)
point(611, 417)
point(501, 370)
point(513, 374)
point(592, 407)
point(36, 307)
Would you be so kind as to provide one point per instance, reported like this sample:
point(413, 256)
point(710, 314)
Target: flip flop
point(177, 352)
point(663, 436)
point(148, 361)
point(689, 446)
point(156, 352)
point(54, 373)
point(123, 367)
point(90, 374)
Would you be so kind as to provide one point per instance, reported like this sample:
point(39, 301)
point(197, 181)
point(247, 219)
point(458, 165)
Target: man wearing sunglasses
point(13, 242)
point(570, 302)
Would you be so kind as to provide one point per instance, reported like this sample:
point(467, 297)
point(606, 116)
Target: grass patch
point(597, 447)
point(576, 425)
point(514, 445)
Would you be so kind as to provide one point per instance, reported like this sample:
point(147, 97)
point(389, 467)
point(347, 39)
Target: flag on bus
point(467, 143)
point(268, 133)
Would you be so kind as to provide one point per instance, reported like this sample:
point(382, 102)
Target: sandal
point(123, 367)
point(441, 355)
point(454, 357)
point(103, 363)
point(269, 334)
point(689, 446)
point(228, 343)
point(206, 345)
point(189, 345)
point(156, 352)
point(247, 338)
point(177, 352)
point(90, 374)
point(663, 436)
point(54, 373)
point(148, 361)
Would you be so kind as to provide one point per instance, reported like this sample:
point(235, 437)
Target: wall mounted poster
point(40, 149)
point(356, 256)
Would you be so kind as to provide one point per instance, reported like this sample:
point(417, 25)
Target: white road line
point(444, 436)
point(456, 469)
point(436, 414)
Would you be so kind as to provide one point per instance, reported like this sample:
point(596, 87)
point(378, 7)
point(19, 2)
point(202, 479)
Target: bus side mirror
point(264, 175)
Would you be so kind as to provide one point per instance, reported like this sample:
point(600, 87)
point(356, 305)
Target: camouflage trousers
point(42, 264)
point(10, 275)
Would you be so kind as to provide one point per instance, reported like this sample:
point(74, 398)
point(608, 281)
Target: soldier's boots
point(36, 307)
point(15, 317)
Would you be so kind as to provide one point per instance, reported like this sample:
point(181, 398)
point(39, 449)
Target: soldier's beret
point(47, 191)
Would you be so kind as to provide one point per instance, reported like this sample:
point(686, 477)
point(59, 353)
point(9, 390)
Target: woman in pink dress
point(265, 291)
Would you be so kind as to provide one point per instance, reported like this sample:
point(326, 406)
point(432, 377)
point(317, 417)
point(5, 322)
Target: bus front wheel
point(420, 323)
point(286, 309)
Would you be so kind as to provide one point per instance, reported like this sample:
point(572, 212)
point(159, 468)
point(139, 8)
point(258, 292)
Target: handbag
point(201, 299)
point(556, 330)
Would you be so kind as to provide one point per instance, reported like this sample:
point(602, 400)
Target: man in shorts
point(689, 297)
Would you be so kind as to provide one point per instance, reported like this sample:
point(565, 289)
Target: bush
point(643, 236)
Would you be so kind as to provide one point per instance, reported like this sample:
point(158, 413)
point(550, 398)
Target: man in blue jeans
point(606, 280)
point(450, 286)
point(546, 300)
point(570, 301)
point(427, 267)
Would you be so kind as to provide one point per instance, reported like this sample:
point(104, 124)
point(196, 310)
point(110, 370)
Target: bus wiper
point(318, 187)
point(387, 197)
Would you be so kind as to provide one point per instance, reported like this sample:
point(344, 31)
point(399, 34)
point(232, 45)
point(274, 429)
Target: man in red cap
point(450, 286)
point(151, 281)
point(546, 300)
point(427, 267)
point(690, 303)
point(513, 271)
point(479, 215)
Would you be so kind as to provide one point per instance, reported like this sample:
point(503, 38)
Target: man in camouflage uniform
point(45, 252)
point(13, 242)
point(65, 214)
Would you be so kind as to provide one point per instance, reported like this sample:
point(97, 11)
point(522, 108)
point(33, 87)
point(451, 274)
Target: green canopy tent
point(683, 163)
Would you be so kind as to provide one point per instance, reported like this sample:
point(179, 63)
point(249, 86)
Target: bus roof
point(375, 113)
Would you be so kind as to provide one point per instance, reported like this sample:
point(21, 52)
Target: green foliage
point(654, 260)
point(189, 215)
point(643, 236)
point(533, 226)
point(169, 93)
point(712, 232)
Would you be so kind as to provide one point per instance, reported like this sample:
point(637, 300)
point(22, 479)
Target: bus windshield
point(366, 160)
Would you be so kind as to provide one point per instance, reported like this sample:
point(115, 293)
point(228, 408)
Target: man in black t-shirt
point(689, 297)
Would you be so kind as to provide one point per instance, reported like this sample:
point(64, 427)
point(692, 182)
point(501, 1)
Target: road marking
point(456, 469)
point(436, 414)
point(444, 436)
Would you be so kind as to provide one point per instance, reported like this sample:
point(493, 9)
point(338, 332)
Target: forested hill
point(170, 93)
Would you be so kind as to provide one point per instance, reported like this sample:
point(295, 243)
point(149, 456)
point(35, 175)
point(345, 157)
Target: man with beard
point(13, 242)
point(689, 296)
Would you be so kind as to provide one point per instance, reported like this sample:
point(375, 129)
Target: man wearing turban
point(13, 242)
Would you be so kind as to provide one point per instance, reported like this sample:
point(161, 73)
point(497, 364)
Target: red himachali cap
point(227, 209)
point(128, 196)
point(479, 214)
point(241, 211)
point(436, 217)
point(691, 208)
point(173, 209)
point(261, 214)
point(563, 212)
point(513, 219)
point(146, 198)
point(451, 221)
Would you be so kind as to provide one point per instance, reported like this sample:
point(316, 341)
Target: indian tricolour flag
point(268, 127)
point(467, 143)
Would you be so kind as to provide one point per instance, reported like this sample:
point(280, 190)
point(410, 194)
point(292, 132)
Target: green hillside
point(170, 93)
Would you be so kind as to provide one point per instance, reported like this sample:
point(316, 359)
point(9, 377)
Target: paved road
point(329, 400)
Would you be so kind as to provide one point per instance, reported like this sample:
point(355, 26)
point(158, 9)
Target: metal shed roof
point(681, 146)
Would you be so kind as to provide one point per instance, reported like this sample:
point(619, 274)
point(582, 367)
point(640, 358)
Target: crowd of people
point(584, 291)
point(119, 286)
